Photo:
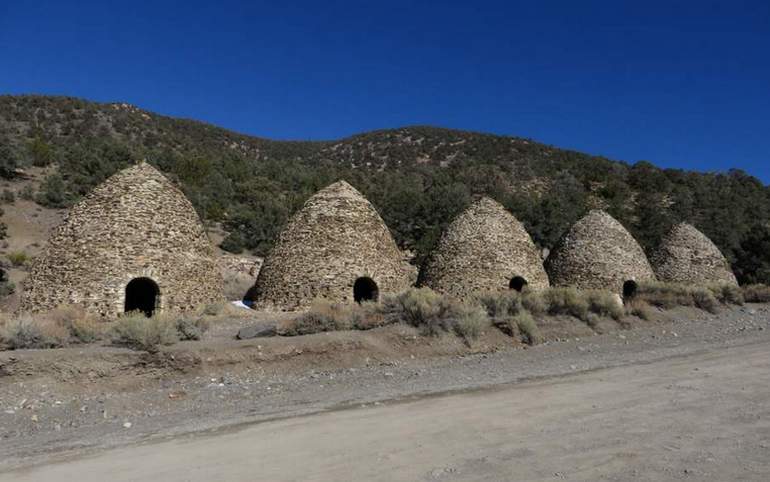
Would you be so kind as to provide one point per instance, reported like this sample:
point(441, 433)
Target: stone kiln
point(686, 255)
point(484, 249)
point(336, 248)
point(134, 243)
point(598, 253)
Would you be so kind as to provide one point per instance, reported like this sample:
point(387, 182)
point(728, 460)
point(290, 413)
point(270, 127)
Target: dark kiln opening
point(142, 295)
point(518, 283)
point(629, 289)
point(365, 289)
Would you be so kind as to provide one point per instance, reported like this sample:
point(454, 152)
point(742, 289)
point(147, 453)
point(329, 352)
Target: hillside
point(418, 177)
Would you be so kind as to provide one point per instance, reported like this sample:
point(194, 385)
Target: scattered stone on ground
point(257, 331)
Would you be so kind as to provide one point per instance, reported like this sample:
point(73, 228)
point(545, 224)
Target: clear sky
point(681, 84)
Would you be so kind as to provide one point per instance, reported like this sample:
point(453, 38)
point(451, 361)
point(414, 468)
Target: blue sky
point(681, 84)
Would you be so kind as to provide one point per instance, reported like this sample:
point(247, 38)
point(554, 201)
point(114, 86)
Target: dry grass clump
point(191, 328)
point(605, 304)
point(527, 326)
point(727, 294)
point(470, 322)
point(582, 304)
point(566, 301)
point(432, 313)
point(54, 329)
point(7, 288)
point(137, 331)
point(322, 316)
point(756, 293)
point(18, 258)
point(326, 316)
point(667, 296)
point(82, 326)
point(67, 325)
point(501, 304)
point(24, 332)
point(422, 308)
point(640, 309)
point(510, 311)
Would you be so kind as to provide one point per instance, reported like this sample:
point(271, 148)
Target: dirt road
point(704, 416)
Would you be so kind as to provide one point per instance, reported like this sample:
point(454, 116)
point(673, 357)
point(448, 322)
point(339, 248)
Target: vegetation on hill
point(419, 178)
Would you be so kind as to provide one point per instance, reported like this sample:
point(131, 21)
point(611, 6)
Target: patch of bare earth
point(29, 226)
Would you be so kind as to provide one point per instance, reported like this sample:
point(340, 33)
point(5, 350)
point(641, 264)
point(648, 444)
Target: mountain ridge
point(418, 177)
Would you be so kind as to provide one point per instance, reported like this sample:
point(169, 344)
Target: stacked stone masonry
point(335, 239)
point(686, 255)
point(483, 250)
point(136, 224)
point(598, 253)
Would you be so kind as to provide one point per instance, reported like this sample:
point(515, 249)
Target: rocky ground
point(59, 403)
point(697, 416)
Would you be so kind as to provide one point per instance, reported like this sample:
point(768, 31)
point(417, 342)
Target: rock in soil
point(256, 331)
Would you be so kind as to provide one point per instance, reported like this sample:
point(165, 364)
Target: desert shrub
point(233, 243)
point(664, 295)
point(588, 306)
point(727, 294)
point(534, 302)
point(704, 299)
point(508, 303)
point(566, 301)
point(18, 258)
point(470, 322)
point(639, 308)
point(669, 295)
point(52, 329)
point(527, 326)
point(81, 326)
point(322, 316)
point(604, 304)
point(85, 330)
point(756, 293)
point(24, 332)
point(593, 320)
point(191, 328)
point(500, 304)
point(367, 315)
point(326, 316)
point(422, 308)
point(135, 330)
point(7, 288)
point(27, 192)
point(434, 314)
point(8, 196)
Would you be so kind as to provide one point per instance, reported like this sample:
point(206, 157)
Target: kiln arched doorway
point(518, 283)
point(142, 294)
point(365, 289)
point(630, 288)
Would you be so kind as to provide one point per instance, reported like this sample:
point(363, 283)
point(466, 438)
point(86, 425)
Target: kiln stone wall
point(482, 250)
point(598, 253)
point(135, 224)
point(334, 239)
point(686, 255)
